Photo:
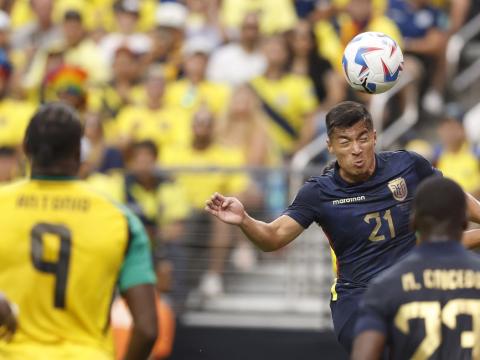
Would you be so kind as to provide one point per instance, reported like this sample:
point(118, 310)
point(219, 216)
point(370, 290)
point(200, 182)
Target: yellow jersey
point(200, 185)
point(462, 166)
point(184, 94)
point(63, 249)
point(14, 118)
point(166, 127)
point(286, 101)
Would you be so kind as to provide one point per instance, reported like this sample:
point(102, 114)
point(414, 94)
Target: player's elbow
point(147, 331)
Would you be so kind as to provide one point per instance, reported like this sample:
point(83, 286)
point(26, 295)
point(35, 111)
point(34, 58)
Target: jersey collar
point(53, 178)
point(441, 247)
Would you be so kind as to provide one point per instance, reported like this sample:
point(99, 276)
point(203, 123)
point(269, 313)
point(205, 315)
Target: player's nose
point(356, 148)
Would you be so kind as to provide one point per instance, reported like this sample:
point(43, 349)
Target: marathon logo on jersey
point(348, 200)
point(398, 187)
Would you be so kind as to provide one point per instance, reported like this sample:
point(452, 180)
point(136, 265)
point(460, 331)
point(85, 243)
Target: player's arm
point(136, 283)
point(368, 345)
point(141, 303)
point(267, 236)
point(371, 326)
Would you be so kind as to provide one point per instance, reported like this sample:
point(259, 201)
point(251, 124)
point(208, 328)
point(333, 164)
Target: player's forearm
point(261, 234)
point(473, 206)
point(141, 344)
point(471, 239)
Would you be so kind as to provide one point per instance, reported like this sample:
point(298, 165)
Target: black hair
point(440, 205)
point(346, 114)
point(72, 15)
point(148, 145)
point(7, 151)
point(53, 134)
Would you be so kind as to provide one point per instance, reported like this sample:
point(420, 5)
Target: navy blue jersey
point(367, 223)
point(428, 304)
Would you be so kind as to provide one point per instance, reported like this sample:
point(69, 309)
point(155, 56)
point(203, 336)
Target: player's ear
point(329, 145)
point(413, 221)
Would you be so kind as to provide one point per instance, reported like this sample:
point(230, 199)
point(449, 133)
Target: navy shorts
point(344, 316)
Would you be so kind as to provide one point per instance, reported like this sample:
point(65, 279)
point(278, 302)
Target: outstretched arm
point(267, 236)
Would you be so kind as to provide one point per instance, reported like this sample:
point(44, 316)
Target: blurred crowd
point(203, 85)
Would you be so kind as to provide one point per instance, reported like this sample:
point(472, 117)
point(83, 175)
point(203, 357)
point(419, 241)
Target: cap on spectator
point(198, 45)
point(68, 79)
point(171, 15)
point(130, 6)
point(4, 21)
point(5, 65)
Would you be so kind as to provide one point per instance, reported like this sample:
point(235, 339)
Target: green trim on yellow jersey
point(54, 178)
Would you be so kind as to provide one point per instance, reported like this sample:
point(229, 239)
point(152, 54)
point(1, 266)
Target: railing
point(456, 44)
point(285, 289)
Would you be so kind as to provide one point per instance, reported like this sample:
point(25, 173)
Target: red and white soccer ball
point(372, 62)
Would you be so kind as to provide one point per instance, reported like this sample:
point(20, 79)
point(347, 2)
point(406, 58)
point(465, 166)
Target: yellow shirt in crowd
point(166, 127)
point(14, 118)
point(199, 185)
point(184, 94)
point(276, 15)
point(462, 166)
point(292, 97)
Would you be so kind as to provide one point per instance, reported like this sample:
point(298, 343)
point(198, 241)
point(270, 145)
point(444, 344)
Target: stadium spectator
point(41, 32)
point(122, 90)
point(305, 60)
point(287, 99)
point(5, 31)
point(166, 125)
point(207, 238)
point(276, 16)
point(67, 84)
point(127, 14)
point(358, 16)
point(59, 318)
point(194, 90)
point(424, 31)
point(81, 51)
point(14, 114)
point(203, 21)
point(168, 38)
point(97, 155)
point(245, 126)
point(238, 62)
point(455, 157)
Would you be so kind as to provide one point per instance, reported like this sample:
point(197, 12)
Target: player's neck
point(66, 169)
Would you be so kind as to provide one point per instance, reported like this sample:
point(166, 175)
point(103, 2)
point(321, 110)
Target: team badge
point(398, 187)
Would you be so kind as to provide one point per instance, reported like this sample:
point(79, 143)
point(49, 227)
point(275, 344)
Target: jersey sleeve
point(137, 268)
point(423, 167)
point(373, 310)
point(303, 209)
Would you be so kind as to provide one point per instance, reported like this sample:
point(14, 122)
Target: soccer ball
point(372, 62)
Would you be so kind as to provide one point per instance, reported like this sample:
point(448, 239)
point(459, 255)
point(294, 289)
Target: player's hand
point(8, 320)
point(227, 209)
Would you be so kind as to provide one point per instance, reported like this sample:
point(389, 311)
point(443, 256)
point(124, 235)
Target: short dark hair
point(346, 114)
point(54, 133)
point(148, 145)
point(72, 15)
point(437, 201)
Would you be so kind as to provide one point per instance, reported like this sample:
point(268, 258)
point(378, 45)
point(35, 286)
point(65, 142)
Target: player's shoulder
point(12, 188)
point(402, 157)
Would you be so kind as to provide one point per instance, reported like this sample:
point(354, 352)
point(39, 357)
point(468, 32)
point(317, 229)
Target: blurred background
point(180, 99)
